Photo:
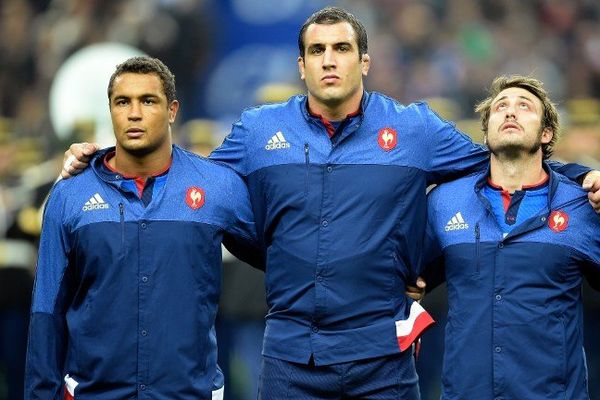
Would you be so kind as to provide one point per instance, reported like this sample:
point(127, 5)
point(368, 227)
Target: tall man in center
point(337, 182)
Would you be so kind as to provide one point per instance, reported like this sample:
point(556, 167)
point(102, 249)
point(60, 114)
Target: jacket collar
point(553, 180)
point(303, 103)
point(97, 164)
point(355, 120)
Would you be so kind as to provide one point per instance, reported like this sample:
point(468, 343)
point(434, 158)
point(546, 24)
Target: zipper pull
point(477, 267)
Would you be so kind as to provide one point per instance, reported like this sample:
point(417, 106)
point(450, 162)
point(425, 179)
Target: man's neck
point(513, 174)
point(141, 166)
point(337, 111)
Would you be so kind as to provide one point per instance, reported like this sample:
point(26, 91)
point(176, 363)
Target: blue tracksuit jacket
point(342, 220)
point(514, 326)
point(126, 295)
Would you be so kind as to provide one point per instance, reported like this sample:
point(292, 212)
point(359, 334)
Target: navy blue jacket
point(342, 220)
point(515, 324)
point(126, 295)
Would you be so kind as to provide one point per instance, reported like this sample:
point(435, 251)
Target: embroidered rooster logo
point(194, 197)
point(387, 138)
point(558, 221)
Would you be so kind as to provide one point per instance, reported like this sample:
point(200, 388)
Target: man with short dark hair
point(513, 246)
point(129, 268)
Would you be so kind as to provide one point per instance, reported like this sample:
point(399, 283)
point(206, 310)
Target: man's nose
point(509, 111)
point(135, 111)
point(329, 59)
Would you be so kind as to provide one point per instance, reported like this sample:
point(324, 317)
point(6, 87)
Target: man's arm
point(241, 238)
point(233, 151)
point(431, 270)
point(47, 329)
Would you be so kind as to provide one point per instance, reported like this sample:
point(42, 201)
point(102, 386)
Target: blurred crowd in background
point(231, 54)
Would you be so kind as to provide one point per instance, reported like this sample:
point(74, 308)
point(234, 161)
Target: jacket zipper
point(122, 219)
point(477, 237)
point(307, 160)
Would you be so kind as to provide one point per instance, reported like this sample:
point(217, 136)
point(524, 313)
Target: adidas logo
point(95, 203)
point(456, 223)
point(277, 142)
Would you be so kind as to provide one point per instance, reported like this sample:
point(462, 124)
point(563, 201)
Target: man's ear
point(301, 67)
point(366, 64)
point(547, 135)
point(173, 108)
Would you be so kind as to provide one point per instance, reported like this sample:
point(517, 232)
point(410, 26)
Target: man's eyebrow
point(342, 43)
point(141, 96)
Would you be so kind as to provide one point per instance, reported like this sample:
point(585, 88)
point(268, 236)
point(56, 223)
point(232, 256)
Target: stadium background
point(231, 54)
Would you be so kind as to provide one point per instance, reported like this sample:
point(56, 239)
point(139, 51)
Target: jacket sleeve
point(433, 267)
point(454, 154)
point(240, 237)
point(47, 329)
point(574, 172)
point(232, 152)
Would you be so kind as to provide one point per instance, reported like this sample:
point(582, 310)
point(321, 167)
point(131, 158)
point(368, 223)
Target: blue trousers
point(390, 377)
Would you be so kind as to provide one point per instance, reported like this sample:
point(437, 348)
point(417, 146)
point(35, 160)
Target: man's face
point(140, 114)
point(515, 124)
point(331, 67)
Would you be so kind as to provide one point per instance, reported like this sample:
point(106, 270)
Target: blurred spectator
point(580, 142)
point(198, 136)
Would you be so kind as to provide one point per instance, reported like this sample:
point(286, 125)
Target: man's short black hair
point(334, 15)
point(146, 65)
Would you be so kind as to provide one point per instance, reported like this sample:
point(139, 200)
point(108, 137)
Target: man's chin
point(513, 151)
point(137, 151)
point(332, 99)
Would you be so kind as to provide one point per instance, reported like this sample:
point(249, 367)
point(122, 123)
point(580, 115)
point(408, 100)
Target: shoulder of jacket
point(73, 185)
point(206, 164)
point(419, 108)
point(456, 189)
point(271, 109)
point(568, 191)
point(567, 184)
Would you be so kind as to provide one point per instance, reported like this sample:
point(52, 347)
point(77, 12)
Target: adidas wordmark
point(277, 142)
point(96, 202)
point(456, 223)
